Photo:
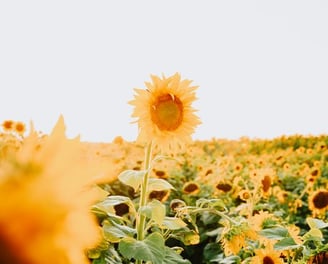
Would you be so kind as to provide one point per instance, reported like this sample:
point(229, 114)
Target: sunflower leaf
point(277, 233)
point(172, 257)
point(286, 244)
point(159, 185)
point(108, 204)
point(151, 249)
point(314, 234)
point(173, 223)
point(115, 232)
point(132, 178)
point(316, 223)
point(154, 210)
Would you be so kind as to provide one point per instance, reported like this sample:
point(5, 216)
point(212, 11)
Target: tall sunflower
point(164, 112)
point(45, 202)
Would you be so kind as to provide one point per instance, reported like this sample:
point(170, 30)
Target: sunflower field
point(163, 198)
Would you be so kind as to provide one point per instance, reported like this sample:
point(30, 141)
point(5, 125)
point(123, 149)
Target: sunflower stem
point(141, 220)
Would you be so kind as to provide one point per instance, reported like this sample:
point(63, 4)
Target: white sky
point(261, 66)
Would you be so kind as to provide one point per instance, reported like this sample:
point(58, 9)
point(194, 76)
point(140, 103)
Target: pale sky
point(261, 66)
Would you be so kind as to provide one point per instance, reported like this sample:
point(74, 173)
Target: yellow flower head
point(234, 237)
point(262, 220)
point(318, 202)
point(267, 255)
point(161, 196)
point(20, 128)
point(244, 195)
point(164, 112)
point(45, 202)
point(224, 186)
point(191, 188)
point(8, 125)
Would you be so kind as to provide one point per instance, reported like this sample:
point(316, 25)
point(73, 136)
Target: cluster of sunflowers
point(242, 201)
point(163, 198)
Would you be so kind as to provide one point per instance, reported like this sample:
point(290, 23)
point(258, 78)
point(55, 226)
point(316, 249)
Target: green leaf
point(113, 200)
point(314, 234)
point(173, 223)
point(286, 244)
point(158, 185)
point(99, 261)
point(108, 204)
point(172, 257)
point(132, 178)
point(108, 256)
point(214, 232)
point(158, 211)
point(277, 233)
point(316, 223)
point(152, 248)
point(154, 210)
point(115, 232)
point(211, 251)
point(228, 260)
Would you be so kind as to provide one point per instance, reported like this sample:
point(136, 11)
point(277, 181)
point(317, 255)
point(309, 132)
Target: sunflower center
point(320, 200)
point(267, 260)
point(121, 209)
point(160, 174)
point(167, 112)
point(7, 253)
point(266, 183)
point(191, 187)
point(226, 187)
point(158, 195)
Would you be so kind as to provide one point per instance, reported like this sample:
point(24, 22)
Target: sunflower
point(320, 146)
point(161, 196)
point(234, 237)
point(318, 202)
point(244, 195)
point(262, 220)
point(8, 125)
point(45, 210)
point(20, 128)
point(294, 232)
point(177, 204)
point(280, 194)
point(191, 188)
point(224, 186)
point(163, 167)
point(164, 112)
point(266, 184)
point(238, 167)
point(263, 179)
point(266, 255)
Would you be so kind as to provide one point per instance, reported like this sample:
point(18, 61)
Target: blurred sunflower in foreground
point(45, 200)
point(164, 112)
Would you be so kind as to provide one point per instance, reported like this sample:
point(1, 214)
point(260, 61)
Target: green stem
point(141, 219)
point(143, 195)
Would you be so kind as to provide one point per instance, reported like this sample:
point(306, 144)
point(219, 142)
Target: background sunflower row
point(276, 190)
